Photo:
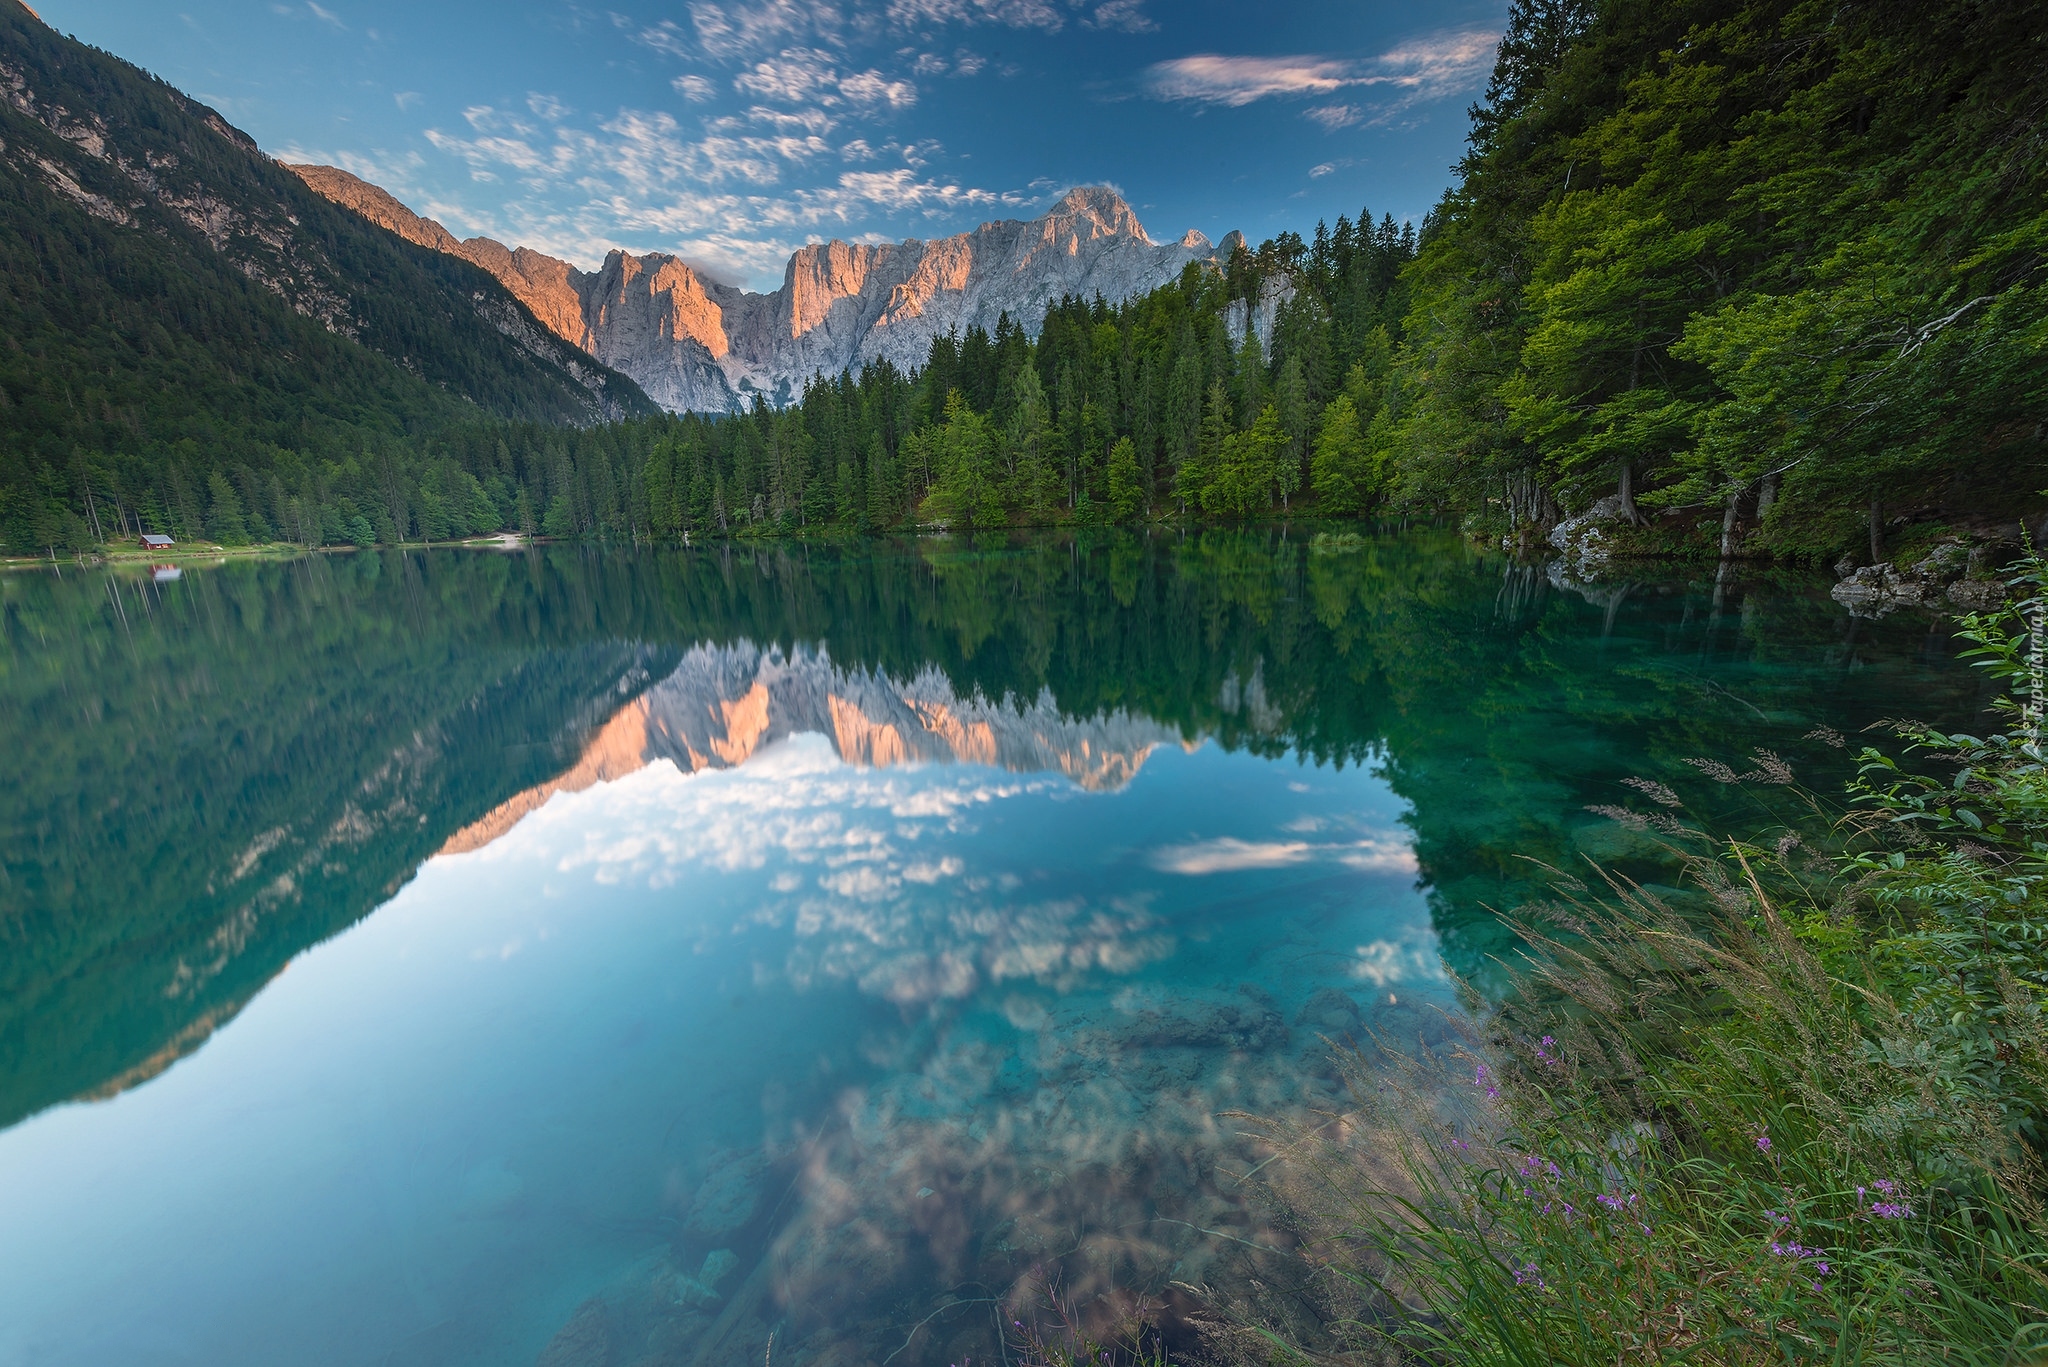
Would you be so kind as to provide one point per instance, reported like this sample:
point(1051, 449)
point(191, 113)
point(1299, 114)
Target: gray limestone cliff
point(695, 344)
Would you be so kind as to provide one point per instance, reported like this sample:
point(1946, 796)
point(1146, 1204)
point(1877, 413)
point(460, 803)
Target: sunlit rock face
point(723, 704)
point(695, 344)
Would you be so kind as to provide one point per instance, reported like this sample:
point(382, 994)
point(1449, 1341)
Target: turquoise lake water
point(611, 957)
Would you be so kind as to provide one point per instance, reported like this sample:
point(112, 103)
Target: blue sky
point(732, 131)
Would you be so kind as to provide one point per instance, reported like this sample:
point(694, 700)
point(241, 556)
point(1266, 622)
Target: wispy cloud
point(742, 31)
point(1036, 14)
point(722, 195)
point(810, 76)
point(1122, 16)
point(1425, 68)
point(1236, 81)
point(1231, 855)
point(548, 107)
point(695, 89)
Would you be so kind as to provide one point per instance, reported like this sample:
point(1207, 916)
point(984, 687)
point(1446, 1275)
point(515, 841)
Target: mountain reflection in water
point(723, 703)
point(818, 941)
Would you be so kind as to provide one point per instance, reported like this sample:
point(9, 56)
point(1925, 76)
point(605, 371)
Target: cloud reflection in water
point(1072, 1003)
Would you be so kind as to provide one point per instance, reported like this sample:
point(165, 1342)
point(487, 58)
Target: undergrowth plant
point(1789, 1113)
point(1113, 1331)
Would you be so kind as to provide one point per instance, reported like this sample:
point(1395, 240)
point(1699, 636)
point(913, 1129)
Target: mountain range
point(723, 703)
point(696, 344)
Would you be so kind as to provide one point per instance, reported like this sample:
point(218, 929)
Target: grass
point(1793, 1114)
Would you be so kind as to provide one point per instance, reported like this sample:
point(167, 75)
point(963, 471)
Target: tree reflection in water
point(214, 774)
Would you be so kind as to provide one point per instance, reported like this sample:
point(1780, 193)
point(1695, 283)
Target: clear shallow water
point(605, 959)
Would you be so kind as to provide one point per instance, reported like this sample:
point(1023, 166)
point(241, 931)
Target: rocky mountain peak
point(695, 344)
point(1098, 211)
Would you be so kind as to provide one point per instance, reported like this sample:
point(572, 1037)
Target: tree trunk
point(1766, 495)
point(1876, 531)
point(1628, 494)
point(1728, 523)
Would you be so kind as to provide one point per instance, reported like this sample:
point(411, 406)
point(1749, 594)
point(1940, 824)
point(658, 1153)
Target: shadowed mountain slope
point(161, 280)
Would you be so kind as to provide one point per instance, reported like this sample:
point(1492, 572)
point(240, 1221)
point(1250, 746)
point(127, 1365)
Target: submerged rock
point(1330, 1012)
point(585, 1341)
point(729, 1195)
point(702, 1289)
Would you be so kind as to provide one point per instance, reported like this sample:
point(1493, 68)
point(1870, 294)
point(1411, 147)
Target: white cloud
point(796, 76)
point(1234, 81)
point(1334, 116)
point(1231, 855)
point(665, 37)
point(695, 89)
point(809, 76)
point(1384, 963)
point(782, 120)
point(721, 197)
point(1424, 68)
point(865, 868)
point(917, 155)
point(903, 191)
point(406, 99)
point(1036, 14)
point(1440, 61)
point(325, 15)
point(739, 31)
point(548, 107)
point(1123, 16)
point(871, 90)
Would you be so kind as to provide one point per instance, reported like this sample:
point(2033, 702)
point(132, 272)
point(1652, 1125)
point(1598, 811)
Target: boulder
point(728, 1196)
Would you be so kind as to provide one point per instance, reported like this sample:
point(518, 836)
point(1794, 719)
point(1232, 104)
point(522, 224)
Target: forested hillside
point(1776, 260)
point(184, 324)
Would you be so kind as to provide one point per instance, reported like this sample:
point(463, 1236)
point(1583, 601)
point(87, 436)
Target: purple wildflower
point(1763, 1143)
point(1816, 1257)
point(1892, 1210)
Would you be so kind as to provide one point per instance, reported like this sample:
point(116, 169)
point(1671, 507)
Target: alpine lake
point(610, 957)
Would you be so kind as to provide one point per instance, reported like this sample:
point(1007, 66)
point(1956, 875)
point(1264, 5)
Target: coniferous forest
point(1767, 274)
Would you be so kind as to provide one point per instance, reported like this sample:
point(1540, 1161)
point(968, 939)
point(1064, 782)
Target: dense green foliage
point(192, 341)
point(1778, 262)
point(1794, 1115)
